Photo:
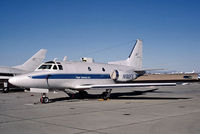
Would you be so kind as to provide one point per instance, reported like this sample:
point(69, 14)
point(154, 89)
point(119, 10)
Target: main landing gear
point(83, 94)
point(5, 90)
point(106, 95)
point(44, 98)
point(74, 94)
point(5, 87)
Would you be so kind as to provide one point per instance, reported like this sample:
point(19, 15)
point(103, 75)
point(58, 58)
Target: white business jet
point(80, 76)
point(29, 66)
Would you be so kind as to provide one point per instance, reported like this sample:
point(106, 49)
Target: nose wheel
point(44, 99)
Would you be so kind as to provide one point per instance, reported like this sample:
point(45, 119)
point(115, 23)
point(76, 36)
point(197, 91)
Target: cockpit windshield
point(51, 65)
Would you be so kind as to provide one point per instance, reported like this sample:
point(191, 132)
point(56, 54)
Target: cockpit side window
point(55, 67)
point(42, 67)
point(45, 67)
point(60, 67)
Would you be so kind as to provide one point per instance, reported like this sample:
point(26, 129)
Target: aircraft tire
point(5, 90)
point(46, 100)
point(104, 95)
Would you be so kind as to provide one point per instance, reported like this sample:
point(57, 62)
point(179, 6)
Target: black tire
point(5, 90)
point(103, 95)
point(45, 100)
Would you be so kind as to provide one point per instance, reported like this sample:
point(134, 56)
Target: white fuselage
point(72, 74)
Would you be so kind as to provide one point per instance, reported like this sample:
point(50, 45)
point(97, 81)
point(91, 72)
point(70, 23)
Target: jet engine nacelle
point(121, 76)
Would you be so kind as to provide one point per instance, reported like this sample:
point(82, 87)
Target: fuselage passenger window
point(103, 69)
point(89, 69)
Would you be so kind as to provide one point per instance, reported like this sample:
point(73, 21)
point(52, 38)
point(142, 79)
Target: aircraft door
point(47, 80)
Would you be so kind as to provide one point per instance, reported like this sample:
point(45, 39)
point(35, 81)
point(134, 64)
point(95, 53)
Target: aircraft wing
point(8, 72)
point(149, 69)
point(124, 85)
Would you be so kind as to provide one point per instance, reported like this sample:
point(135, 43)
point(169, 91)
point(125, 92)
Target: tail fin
point(32, 63)
point(135, 58)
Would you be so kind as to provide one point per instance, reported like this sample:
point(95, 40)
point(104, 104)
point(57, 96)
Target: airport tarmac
point(168, 110)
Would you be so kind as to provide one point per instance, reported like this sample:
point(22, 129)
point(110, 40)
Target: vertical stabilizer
point(135, 58)
point(32, 63)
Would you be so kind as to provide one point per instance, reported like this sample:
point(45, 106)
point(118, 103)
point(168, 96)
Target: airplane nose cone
point(13, 81)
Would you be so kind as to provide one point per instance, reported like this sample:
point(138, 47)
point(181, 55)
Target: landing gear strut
point(44, 99)
point(106, 94)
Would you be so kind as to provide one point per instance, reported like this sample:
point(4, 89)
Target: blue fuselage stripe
point(72, 76)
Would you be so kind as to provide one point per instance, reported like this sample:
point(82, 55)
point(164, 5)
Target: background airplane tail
point(32, 63)
point(135, 58)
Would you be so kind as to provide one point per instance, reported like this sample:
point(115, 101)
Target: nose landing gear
point(44, 99)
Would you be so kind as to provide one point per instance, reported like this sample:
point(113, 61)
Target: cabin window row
point(102, 69)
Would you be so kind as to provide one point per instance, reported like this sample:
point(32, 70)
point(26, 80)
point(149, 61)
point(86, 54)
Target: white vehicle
point(29, 66)
point(80, 76)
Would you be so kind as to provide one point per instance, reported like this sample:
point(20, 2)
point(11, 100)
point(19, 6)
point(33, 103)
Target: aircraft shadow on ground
point(134, 95)
point(14, 90)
